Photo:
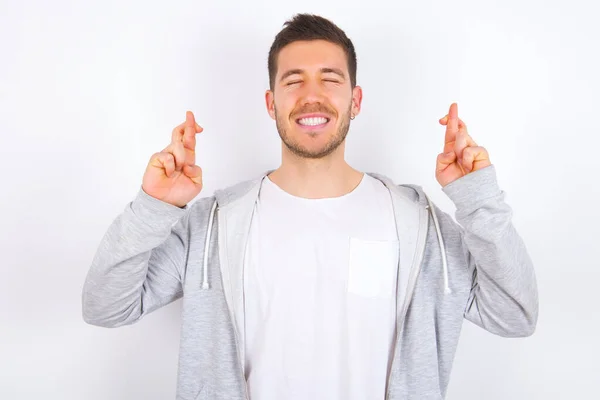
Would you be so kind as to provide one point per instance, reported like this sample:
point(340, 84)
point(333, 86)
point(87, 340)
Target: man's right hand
point(171, 175)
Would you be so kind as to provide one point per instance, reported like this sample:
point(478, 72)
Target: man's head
point(313, 92)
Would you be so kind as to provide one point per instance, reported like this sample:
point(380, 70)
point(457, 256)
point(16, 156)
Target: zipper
point(235, 335)
point(237, 347)
point(409, 295)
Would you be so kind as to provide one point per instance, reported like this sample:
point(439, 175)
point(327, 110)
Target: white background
point(88, 91)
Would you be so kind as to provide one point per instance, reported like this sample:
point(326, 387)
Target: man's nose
point(312, 92)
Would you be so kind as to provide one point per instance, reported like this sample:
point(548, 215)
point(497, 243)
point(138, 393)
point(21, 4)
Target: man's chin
point(327, 130)
point(312, 154)
point(311, 143)
point(311, 150)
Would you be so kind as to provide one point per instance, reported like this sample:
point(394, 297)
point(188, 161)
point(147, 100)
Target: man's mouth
point(312, 123)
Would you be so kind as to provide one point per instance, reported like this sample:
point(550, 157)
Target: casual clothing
point(479, 269)
point(320, 294)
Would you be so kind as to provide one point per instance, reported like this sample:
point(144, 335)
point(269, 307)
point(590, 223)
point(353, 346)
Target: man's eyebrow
point(333, 70)
point(290, 72)
point(297, 71)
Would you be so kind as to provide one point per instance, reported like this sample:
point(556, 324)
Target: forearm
point(137, 265)
point(504, 295)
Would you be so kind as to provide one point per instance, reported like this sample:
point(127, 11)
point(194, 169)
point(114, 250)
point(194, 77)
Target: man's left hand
point(461, 154)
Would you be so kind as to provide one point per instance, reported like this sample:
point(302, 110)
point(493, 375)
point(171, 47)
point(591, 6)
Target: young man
point(315, 280)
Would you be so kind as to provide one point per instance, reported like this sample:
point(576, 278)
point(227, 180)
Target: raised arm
point(140, 262)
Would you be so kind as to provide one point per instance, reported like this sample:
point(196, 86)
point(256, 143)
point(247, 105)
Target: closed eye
point(292, 83)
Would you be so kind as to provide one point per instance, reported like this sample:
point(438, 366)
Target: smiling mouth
point(313, 122)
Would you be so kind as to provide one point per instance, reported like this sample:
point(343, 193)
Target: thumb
point(445, 159)
point(193, 172)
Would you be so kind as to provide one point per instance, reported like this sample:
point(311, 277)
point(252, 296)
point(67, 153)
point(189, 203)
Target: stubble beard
point(296, 148)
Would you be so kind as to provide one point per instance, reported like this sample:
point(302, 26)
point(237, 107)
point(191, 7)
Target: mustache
point(313, 108)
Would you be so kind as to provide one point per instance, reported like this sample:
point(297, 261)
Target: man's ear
point(270, 102)
point(356, 100)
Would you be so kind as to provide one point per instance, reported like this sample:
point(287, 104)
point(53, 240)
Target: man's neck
point(316, 179)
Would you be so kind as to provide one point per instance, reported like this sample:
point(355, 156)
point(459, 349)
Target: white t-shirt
point(320, 294)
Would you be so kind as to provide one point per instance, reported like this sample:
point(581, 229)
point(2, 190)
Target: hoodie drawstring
point(206, 246)
point(447, 289)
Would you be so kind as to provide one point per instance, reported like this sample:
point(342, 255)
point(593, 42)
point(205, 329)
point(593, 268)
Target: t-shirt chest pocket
point(372, 267)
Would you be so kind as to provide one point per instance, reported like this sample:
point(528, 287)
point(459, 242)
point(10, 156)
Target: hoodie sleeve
point(139, 264)
point(504, 297)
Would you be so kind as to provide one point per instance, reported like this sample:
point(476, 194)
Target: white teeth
point(312, 121)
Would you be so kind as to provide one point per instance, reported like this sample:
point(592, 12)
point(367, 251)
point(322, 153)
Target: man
point(315, 280)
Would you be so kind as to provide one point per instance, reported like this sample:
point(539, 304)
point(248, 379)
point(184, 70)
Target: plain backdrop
point(90, 90)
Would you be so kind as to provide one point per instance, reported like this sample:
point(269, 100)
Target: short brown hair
point(311, 27)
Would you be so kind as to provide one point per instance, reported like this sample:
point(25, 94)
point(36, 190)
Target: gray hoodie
point(479, 269)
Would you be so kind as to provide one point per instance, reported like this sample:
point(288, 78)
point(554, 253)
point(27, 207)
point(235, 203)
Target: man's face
point(312, 98)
